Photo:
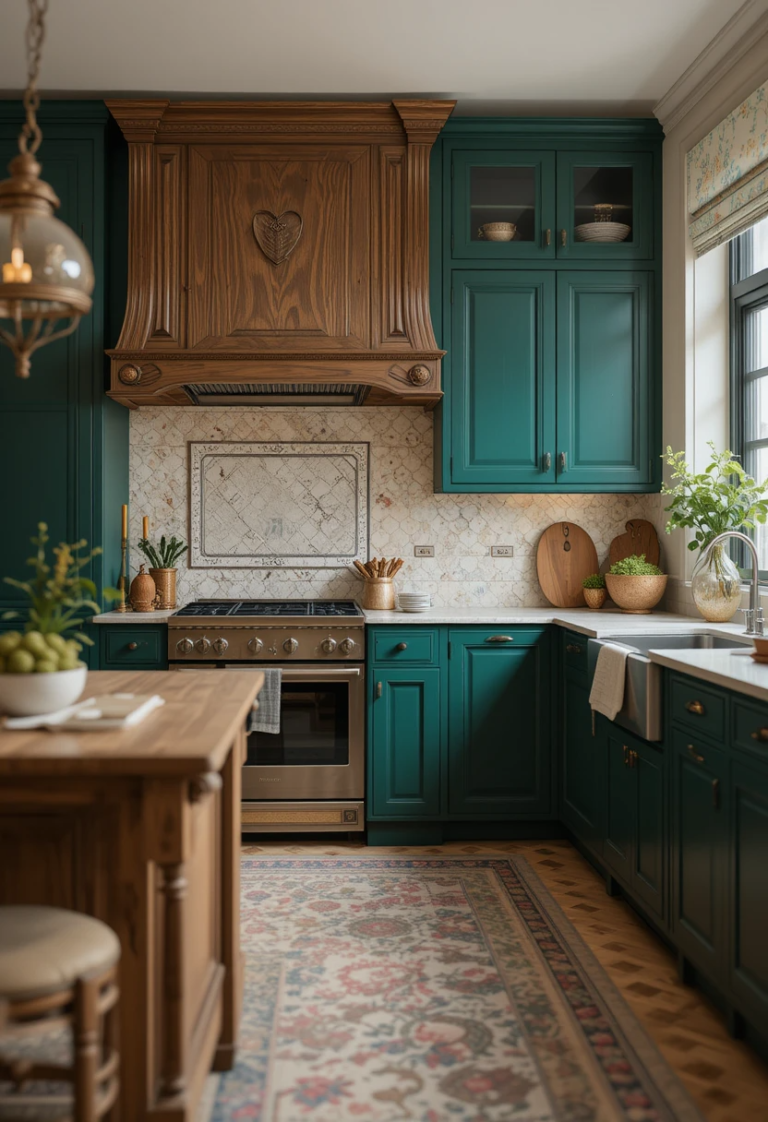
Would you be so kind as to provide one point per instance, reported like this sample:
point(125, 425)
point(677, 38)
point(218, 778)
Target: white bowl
point(602, 232)
point(33, 695)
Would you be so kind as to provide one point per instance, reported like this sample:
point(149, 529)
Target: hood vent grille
point(275, 393)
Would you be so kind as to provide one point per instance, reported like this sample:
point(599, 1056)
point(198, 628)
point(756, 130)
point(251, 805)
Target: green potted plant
point(595, 592)
point(722, 497)
point(162, 559)
point(40, 670)
point(635, 585)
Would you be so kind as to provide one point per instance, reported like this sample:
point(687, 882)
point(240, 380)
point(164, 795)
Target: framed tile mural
point(265, 506)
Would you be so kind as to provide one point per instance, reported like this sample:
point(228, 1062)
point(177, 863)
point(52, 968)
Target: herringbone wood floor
point(724, 1077)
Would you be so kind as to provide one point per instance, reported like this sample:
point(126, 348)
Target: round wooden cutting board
point(565, 556)
point(640, 537)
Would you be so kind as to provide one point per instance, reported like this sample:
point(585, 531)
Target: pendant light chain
point(35, 37)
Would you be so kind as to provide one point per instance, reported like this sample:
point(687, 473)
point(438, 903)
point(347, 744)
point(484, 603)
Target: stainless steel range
point(310, 775)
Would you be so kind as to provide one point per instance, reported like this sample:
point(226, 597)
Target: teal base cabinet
point(748, 897)
point(583, 764)
point(123, 647)
point(459, 733)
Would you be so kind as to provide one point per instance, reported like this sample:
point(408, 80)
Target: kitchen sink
point(642, 709)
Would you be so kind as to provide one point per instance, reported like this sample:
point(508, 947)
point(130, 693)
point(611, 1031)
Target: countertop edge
point(713, 676)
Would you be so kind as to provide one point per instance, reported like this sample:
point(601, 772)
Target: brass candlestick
point(122, 606)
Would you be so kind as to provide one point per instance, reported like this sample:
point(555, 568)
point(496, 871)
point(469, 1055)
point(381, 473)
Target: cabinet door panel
point(618, 849)
point(498, 732)
point(649, 858)
point(748, 966)
point(405, 748)
point(622, 181)
point(603, 378)
point(583, 765)
point(698, 851)
point(502, 377)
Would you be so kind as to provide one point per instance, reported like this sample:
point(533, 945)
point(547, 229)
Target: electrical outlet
point(502, 551)
point(423, 551)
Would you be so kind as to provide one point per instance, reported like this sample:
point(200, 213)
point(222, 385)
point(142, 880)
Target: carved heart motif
point(277, 235)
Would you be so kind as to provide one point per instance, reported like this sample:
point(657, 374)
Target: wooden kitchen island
point(142, 829)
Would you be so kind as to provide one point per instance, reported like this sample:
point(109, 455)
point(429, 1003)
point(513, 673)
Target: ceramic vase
point(143, 592)
point(595, 597)
point(379, 594)
point(165, 583)
point(716, 585)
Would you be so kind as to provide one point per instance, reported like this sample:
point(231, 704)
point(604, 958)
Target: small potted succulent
point(635, 585)
point(40, 668)
point(162, 560)
point(595, 592)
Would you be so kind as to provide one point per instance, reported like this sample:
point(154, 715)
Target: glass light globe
point(40, 250)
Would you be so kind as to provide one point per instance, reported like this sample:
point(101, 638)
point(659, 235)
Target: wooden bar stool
point(59, 964)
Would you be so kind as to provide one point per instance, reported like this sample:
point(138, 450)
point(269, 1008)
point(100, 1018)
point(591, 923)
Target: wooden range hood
point(278, 252)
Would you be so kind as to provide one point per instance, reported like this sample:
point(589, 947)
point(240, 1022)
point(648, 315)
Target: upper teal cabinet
point(503, 205)
point(545, 262)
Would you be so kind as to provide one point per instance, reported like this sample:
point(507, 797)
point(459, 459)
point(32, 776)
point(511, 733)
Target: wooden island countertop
point(141, 828)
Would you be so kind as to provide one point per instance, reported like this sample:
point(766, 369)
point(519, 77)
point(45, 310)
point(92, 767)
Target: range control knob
point(328, 646)
point(346, 646)
point(255, 645)
point(184, 646)
point(220, 645)
point(202, 645)
point(290, 645)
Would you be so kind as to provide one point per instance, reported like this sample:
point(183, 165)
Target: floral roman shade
point(728, 175)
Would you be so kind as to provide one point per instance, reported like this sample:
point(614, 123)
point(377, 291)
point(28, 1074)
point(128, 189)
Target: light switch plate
point(502, 551)
point(423, 551)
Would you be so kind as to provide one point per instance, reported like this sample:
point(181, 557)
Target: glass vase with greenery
point(722, 497)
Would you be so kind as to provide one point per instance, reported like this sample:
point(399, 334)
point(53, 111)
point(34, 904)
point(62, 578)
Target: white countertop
point(134, 617)
point(734, 670)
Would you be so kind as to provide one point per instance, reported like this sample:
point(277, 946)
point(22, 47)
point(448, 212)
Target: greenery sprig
point(166, 554)
point(723, 497)
point(60, 597)
point(595, 580)
point(635, 566)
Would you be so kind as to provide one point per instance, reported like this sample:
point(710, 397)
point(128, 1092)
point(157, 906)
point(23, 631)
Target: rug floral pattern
point(446, 990)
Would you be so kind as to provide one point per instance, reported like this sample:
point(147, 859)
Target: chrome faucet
point(753, 615)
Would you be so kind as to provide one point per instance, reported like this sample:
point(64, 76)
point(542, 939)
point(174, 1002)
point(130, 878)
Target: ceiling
point(615, 56)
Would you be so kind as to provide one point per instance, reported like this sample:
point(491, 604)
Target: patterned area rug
point(446, 990)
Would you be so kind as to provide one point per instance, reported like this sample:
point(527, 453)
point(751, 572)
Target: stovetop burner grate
point(273, 608)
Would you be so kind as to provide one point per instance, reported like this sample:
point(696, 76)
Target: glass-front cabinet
point(604, 205)
point(503, 204)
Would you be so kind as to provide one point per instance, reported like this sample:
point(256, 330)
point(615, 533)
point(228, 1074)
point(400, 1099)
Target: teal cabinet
point(747, 903)
point(583, 764)
point(141, 647)
point(405, 729)
point(603, 379)
point(635, 835)
point(499, 756)
point(547, 392)
point(503, 378)
point(699, 848)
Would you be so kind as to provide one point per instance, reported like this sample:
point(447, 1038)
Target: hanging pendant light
point(47, 275)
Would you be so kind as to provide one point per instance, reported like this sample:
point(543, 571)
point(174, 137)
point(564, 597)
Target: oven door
point(319, 752)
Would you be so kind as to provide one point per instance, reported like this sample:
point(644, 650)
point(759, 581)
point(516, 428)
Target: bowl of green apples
point(40, 667)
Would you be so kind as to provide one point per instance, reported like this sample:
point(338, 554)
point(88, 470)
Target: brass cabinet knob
point(133, 646)
point(695, 707)
point(401, 647)
point(573, 648)
point(548, 236)
point(760, 734)
point(500, 639)
point(694, 754)
point(563, 238)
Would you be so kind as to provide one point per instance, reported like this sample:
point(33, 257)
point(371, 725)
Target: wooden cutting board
point(640, 537)
point(565, 556)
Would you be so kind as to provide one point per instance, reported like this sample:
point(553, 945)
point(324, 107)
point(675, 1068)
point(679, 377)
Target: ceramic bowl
point(602, 232)
point(33, 695)
point(498, 231)
point(636, 595)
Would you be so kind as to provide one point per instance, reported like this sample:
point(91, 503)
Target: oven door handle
point(303, 673)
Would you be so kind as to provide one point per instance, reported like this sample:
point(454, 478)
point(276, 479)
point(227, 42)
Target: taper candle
point(145, 527)
point(125, 520)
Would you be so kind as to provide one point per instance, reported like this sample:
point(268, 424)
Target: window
point(749, 360)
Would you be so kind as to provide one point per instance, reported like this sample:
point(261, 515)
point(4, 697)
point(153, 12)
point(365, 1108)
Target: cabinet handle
point(695, 755)
point(573, 648)
point(563, 238)
point(563, 461)
point(695, 707)
point(379, 689)
point(480, 234)
point(716, 794)
point(547, 461)
point(133, 646)
point(760, 734)
point(548, 236)
point(500, 639)
point(633, 758)
point(626, 755)
point(401, 647)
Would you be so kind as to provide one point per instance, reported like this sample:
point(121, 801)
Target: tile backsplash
point(404, 512)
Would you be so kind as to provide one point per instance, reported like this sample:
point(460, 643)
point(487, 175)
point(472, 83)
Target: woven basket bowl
point(635, 594)
point(498, 231)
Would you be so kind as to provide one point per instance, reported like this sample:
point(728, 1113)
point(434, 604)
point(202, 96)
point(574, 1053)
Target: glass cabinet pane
point(502, 204)
point(603, 204)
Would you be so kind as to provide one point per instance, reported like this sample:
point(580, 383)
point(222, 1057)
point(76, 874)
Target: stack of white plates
point(602, 232)
point(414, 601)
